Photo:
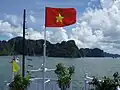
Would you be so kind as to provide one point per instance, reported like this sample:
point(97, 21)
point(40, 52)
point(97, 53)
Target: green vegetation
point(63, 49)
point(64, 75)
point(20, 83)
point(106, 83)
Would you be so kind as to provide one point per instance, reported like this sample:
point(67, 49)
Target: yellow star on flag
point(59, 18)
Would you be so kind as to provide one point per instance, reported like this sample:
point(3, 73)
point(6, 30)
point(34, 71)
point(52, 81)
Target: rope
point(13, 47)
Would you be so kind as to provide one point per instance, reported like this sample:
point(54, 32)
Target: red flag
point(60, 17)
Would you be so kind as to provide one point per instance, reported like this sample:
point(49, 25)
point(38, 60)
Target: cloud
point(11, 31)
point(57, 35)
point(96, 28)
point(32, 18)
point(107, 3)
point(13, 19)
point(84, 35)
point(99, 25)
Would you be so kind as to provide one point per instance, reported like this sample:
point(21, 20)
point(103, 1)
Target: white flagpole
point(13, 75)
point(44, 58)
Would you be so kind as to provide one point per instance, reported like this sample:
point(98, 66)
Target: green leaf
point(64, 75)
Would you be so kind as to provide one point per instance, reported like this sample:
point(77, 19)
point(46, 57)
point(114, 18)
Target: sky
point(97, 25)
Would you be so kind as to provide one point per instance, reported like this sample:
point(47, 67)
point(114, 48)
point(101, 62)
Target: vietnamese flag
point(59, 17)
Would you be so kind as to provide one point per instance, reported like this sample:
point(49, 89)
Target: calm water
point(93, 66)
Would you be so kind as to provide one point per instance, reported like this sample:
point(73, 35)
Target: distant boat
point(114, 57)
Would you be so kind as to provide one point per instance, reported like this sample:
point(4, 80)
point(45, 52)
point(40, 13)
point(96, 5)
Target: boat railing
point(87, 80)
point(88, 86)
point(37, 84)
point(51, 84)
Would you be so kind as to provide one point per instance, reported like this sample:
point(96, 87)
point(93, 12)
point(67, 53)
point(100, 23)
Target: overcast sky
point(97, 26)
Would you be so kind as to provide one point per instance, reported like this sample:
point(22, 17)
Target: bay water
point(98, 67)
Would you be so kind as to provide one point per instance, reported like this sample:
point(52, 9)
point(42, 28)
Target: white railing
point(87, 79)
point(37, 84)
point(51, 84)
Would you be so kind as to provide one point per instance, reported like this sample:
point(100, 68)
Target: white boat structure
point(37, 82)
point(51, 83)
point(41, 83)
point(44, 83)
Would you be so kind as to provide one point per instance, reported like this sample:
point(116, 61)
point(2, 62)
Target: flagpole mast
point(44, 58)
point(13, 75)
point(23, 62)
